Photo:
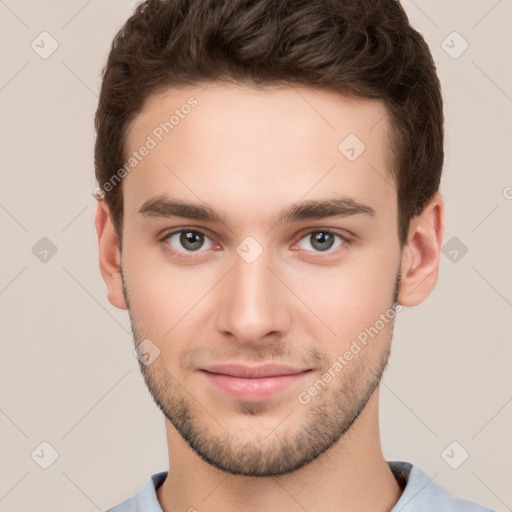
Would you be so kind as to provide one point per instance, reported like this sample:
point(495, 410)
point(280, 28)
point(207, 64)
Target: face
point(252, 239)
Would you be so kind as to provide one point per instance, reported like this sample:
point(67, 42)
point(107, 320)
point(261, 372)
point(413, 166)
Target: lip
point(254, 372)
point(253, 383)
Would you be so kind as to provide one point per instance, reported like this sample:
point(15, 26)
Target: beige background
point(68, 376)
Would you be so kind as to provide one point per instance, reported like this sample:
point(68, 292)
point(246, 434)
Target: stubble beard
point(317, 426)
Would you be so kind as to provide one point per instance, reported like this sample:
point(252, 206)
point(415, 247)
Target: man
point(268, 183)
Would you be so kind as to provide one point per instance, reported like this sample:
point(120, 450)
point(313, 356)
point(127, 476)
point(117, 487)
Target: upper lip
point(252, 372)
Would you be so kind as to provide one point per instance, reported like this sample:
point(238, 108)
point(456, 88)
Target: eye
point(322, 240)
point(188, 240)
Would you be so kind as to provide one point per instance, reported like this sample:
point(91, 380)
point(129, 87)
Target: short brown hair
point(363, 49)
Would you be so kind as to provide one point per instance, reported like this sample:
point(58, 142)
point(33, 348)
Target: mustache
point(276, 352)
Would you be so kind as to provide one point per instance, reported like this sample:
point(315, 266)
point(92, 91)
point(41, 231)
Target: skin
point(248, 153)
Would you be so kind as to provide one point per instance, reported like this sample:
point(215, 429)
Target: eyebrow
point(166, 207)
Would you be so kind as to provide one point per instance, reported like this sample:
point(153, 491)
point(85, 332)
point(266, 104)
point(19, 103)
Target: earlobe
point(109, 256)
point(420, 257)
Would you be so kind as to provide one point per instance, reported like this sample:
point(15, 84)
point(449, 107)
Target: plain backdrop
point(71, 395)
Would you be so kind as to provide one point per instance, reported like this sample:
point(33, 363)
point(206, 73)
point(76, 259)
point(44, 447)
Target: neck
point(351, 476)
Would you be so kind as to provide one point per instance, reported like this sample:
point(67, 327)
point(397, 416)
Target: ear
point(420, 257)
point(110, 256)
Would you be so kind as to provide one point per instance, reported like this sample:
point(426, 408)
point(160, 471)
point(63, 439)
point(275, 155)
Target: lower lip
point(256, 389)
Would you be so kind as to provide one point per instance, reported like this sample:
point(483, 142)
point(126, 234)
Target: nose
point(252, 301)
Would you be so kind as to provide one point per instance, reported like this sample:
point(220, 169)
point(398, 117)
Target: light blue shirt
point(420, 494)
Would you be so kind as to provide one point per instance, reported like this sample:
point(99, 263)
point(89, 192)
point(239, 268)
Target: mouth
point(253, 383)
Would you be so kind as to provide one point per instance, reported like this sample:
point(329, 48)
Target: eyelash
point(188, 254)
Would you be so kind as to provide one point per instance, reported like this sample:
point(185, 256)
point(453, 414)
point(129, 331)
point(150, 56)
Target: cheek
point(169, 299)
point(352, 296)
point(161, 293)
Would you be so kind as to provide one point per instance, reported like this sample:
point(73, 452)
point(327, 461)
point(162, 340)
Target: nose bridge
point(252, 304)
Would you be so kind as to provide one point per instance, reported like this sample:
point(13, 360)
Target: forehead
point(257, 145)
